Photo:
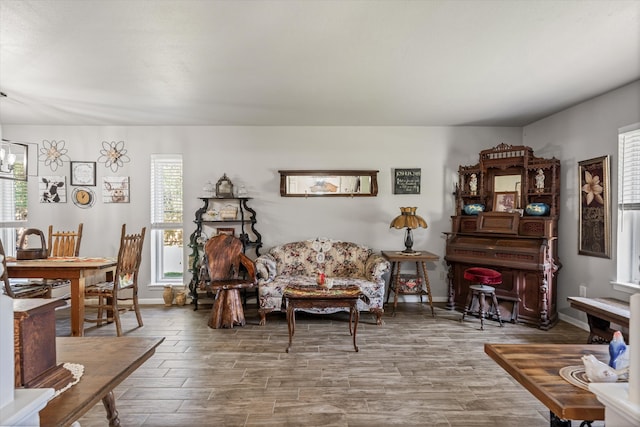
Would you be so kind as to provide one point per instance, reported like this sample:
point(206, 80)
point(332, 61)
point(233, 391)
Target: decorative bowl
point(473, 209)
point(537, 209)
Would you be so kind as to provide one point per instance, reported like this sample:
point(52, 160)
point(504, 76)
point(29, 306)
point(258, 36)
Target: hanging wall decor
point(115, 189)
point(113, 155)
point(53, 189)
point(53, 154)
point(594, 211)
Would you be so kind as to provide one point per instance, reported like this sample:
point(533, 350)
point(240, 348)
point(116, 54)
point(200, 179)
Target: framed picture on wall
point(594, 212)
point(83, 173)
point(115, 189)
point(406, 181)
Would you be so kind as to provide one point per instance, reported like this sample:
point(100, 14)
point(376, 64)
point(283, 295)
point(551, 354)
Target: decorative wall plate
point(83, 197)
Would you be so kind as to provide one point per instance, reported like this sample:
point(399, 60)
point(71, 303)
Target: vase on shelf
point(167, 295)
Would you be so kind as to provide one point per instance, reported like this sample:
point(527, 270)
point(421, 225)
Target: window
point(628, 233)
point(13, 211)
point(166, 219)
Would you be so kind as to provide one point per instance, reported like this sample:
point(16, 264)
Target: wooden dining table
point(79, 271)
point(537, 368)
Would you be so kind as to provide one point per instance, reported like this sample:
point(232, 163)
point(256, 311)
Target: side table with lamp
point(409, 220)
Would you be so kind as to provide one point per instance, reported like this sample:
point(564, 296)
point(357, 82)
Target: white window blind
point(628, 237)
point(166, 219)
point(166, 190)
point(13, 203)
point(629, 170)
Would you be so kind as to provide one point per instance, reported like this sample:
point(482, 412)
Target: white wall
point(582, 132)
point(252, 156)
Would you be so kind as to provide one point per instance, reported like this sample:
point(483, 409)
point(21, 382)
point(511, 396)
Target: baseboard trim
point(573, 321)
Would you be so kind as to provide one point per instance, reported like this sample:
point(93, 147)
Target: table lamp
point(409, 220)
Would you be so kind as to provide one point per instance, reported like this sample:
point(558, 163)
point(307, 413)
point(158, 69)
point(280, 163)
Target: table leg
point(356, 314)
point(77, 306)
point(391, 281)
point(396, 288)
point(291, 322)
point(350, 320)
point(428, 288)
point(109, 403)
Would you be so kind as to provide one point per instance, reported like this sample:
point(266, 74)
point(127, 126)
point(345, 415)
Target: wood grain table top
point(399, 256)
point(536, 367)
point(107, 362)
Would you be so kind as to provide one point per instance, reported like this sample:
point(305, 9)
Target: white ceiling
point(206, 62)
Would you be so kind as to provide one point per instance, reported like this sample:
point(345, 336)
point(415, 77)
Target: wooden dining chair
point(111, 300)
point(64, 243)
point(18, 290)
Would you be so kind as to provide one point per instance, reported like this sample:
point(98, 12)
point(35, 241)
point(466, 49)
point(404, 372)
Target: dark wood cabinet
point(518, 239)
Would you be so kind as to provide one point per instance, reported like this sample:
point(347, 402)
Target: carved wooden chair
point(224, 259)
point(64, 243)
point(26, 290)
point(110, 295)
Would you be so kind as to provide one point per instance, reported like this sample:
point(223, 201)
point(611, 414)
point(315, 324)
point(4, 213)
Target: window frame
point(10, 206)
point(628, 210)
point(159, 225)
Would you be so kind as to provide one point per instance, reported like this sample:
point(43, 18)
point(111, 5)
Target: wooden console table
point(536, 367)
point(314, 297)
point(107, 362)
point(420, 258)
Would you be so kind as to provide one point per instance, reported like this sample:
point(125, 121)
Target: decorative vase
point(167, 295)
point(537, 209)
point(473, 209)
point(181, 298)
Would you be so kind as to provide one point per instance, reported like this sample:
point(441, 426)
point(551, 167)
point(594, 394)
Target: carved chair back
point(64, 243)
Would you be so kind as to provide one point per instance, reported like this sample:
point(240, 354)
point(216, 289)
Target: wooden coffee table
point(302, 297)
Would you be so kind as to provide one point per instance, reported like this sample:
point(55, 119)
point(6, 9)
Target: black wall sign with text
point(406, 181)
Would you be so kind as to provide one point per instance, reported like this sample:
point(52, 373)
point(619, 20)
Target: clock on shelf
point(83, 197)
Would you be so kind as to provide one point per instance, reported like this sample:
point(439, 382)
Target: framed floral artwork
point(594, 212)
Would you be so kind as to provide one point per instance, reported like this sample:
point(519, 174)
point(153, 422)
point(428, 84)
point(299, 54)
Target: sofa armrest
point(375, 267)
point(265, 268)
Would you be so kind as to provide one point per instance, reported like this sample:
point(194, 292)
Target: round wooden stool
point(482, 278)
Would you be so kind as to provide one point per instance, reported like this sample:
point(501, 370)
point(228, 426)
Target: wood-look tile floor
point(413, 370)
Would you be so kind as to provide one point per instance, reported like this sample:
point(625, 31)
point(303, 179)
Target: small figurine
point(540, 181)
point(320, 279)
point(618, 356)
point(473, 184)
point(598, 372)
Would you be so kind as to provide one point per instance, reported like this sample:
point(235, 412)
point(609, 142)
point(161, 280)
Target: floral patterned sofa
point(299, 263)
